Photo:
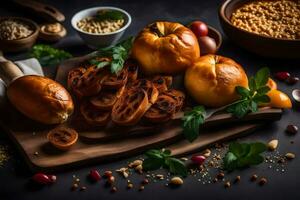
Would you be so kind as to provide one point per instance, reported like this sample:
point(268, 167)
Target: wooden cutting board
point(30, 137)
point(112, 142)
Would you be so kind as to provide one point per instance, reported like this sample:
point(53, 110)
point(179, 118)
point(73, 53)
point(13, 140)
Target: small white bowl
point(96, 40)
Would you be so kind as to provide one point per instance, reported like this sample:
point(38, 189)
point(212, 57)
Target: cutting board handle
point(8, 70)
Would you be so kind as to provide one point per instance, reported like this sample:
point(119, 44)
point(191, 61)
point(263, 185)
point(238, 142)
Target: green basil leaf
point(242, 91)
point(176, 166)
point(262, 77)
point(262, 99)
point(252, 85)
point(152, 164)
point(263, 90)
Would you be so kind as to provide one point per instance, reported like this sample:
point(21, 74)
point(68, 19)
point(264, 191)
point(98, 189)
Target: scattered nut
point(113, 189)
point(272, 145)
point(139, 169)
point(160, 176)
point(145, 181)
point(262, 181)
point(220, 175)
point(176, 181)
point(290, 156)
point(253, 177)
point(135, 163)
point(227, 184)
point(111, 179)
point(82, 188)
point(129, 185)
point(74, 186)
point(206, 153)
point(141, 188)
point(107, 174)
point(237, 179)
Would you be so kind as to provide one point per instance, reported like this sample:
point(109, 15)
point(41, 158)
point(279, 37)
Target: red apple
point(199, 28)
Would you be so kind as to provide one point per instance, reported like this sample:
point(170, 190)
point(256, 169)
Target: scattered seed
point(227, 184)
point(262, 181)
point(135, 163)
point(206, 153)
point(176, 181)
point(220, 175)
point(253, 177)
point(107, 174)
point(82, 188)
point(160, 176)
point(141, 188)
point(272, 145)
point(145, 181)
point(113, 189)
point(290, 156)
point(129, 185)
point(74, 186)
point(237, 179)
point(111, 179)
point(36, 153)
point(184, 159)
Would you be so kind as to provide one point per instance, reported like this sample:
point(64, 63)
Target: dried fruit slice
point(74, 75)
point(106, 98)
point(62, 137)
point(132, 69)
point(90, 82)
point(167, 104)
point(149, 87)
point(94, 116)
point(130, 107)
point(162, 83)
point(115, 81)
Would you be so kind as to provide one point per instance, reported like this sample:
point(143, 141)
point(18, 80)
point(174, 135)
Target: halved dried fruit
point(90, 82)
point(74, 75)
point(167, 104)
point(62, 137)
point(115, 81)
point(130, 107)
point(132, 69)
point(149, 87)
point(94, 116)
point(106, 98)
point(162, 83)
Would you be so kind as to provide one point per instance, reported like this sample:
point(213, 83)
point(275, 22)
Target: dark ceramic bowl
point(258, 44)
point(23, 43)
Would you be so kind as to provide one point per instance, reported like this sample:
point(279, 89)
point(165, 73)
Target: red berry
point(282, 76)
point(95, 175)
point(41, 178)
point(198, 159)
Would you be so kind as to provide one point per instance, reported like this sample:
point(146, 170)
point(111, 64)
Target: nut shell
point(41, 99)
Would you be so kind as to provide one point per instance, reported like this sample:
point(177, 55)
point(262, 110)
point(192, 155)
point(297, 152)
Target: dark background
point(14, 176)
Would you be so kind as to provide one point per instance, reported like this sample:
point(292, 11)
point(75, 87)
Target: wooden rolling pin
point(46, 11)
point(37, 97)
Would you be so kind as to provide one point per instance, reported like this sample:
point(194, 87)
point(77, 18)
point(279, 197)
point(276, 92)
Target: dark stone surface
point(14, 176)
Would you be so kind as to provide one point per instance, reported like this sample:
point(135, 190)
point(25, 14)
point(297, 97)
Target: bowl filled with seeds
point(17, 34)
point(267, 28)
point(101, 26)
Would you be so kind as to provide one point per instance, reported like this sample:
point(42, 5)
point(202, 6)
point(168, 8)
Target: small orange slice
point(272, 84)
point(279, 99)
point(62, 137)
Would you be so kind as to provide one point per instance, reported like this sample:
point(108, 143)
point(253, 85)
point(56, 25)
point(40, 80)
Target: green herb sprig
point(241, 155)
point(118, 54)
point(252, 97)
point(109, 15)
point(47, 55)
point(192, 121)
point(162, 158)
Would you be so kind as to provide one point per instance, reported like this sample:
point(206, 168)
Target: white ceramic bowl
point(96, 40)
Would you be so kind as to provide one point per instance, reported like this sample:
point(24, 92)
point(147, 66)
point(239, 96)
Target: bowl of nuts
point(264, 27)
point(17, 34)
point(101, 26)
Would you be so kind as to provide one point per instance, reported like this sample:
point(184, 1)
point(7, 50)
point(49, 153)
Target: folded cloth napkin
point(28, 67)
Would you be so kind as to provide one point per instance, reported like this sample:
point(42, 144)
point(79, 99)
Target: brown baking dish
point(23, 43)
point(261, 45)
